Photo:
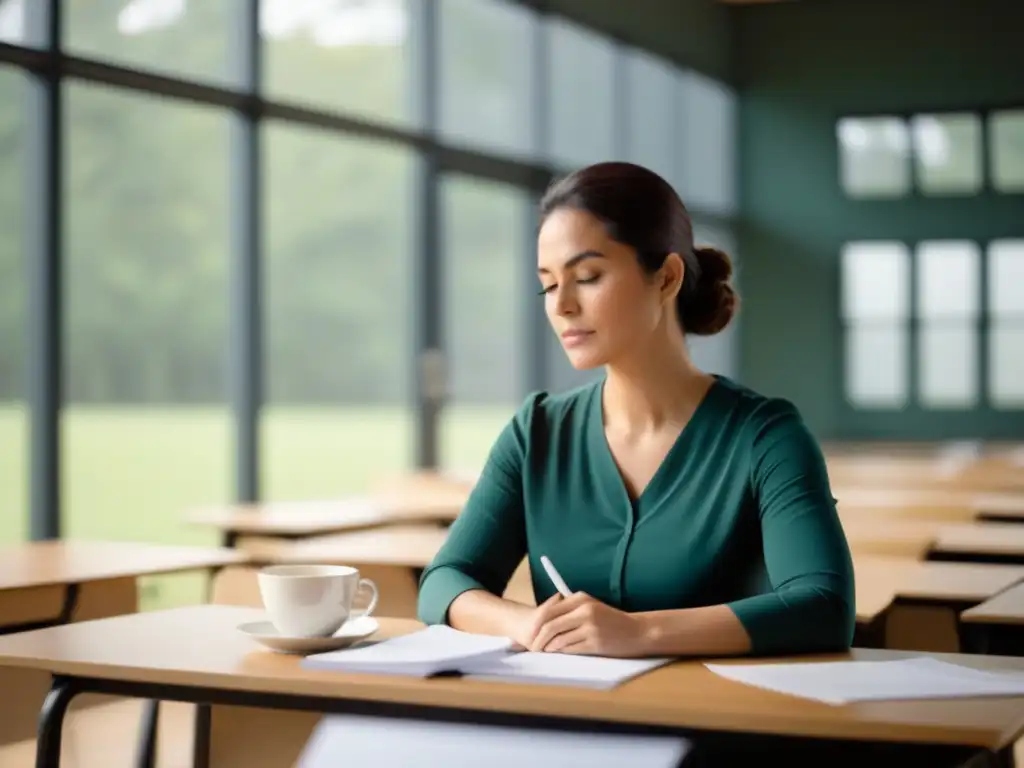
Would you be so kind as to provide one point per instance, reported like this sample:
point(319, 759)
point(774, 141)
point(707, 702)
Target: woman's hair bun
point(713, 302)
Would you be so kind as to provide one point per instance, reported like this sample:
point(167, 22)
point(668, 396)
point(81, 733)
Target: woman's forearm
point(479, 611)
point(713, 630)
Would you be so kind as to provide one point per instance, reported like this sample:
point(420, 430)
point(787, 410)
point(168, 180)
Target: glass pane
point(581, 109)
point(484, 226)
point(18, 26)
point(876, 366)
point(1006, 137)
point(651, 127)
point(338, 281)
point(948, 279)
point(487, 73)
point(350, 57)
point(947, 153)
point(13, 314)
point(708, 142)
point(146, 428)
point(875, 281)
point(190, 40)
point(1006, 365)
point(1006, 278)
point(948, 365)
point(874, 156)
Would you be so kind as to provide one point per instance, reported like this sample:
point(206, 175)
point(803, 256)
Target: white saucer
point(350, 633)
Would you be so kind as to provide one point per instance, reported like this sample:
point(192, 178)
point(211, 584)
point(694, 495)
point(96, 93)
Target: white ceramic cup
point(312, 600)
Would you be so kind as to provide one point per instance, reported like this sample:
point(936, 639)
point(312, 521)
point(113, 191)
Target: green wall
point(801, 65)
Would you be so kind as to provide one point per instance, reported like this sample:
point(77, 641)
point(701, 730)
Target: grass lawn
point(130, 473)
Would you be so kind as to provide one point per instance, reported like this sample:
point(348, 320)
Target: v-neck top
point(739, 512)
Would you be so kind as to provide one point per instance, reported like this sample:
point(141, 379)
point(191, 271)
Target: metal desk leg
point(146, 757)
point(201, 746)
point(51, 722)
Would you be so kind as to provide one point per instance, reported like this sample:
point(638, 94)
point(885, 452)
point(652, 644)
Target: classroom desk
point(980, 543)
point(300, 519)
point(927, 503)
point(67, 564)
point(997, 625)
point(143, 655)
point(949, 585)
point(976, 542)
point(48, 575)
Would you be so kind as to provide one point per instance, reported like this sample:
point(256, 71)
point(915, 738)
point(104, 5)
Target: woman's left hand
point(580, 624)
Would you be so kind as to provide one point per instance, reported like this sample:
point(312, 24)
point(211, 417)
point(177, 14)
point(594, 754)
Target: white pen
point(555, 576)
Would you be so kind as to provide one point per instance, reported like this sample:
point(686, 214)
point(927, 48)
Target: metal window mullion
point(429, 375)
point(43, 241)
point(535, 340)
point(246, 337)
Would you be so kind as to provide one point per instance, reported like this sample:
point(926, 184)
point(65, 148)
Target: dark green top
point(740, 512)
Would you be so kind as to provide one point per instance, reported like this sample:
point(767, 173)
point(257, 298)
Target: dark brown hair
point(642, 210)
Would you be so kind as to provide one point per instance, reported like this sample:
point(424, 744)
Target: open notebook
point(442, 650)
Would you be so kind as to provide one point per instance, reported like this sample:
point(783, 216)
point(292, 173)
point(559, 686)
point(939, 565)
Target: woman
point(687, 514)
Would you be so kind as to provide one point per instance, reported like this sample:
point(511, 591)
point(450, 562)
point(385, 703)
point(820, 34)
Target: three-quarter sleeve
point(811, 605)
point(487, 541)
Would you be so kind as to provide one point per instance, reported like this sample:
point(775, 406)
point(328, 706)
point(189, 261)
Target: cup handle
point(370, 585)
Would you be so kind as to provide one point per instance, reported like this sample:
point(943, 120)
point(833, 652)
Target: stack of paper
point(562, 669)
point(844, 682)
point(378, 741)
point(430, 651)
point(441, 649)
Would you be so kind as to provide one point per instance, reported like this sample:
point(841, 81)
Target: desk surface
point(981, 538)
point(939, 581)
point(409, 546)
point(49, 563)
point(148, 648)
point(1005, 608)
point(317, 517)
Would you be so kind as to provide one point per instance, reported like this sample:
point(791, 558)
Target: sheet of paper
point(563, 669)
point(844, 682)
point(352, 740)
point(421, 652)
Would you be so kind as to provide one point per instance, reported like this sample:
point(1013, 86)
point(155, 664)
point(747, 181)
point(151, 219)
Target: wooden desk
point(298, 519)
point(143, 655)
point(936, 582)
point(873, 535)
point(49, 583)
point(46, 563)
point(980, 542)
point(928, 502)
point(1007, 607)
point(32, 567)
point(407, 546)
point(996, 625)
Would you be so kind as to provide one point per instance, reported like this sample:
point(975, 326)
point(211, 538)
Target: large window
point(179, 38)
point(707, 158)
point(159, 100)
point(487, 74)
point(145, 430)
point(349, 57)
point(948, 305)
point(337, 322)
point(921, 315)
point(13, 307)
point(876, 310)
point(580, 99)
point(1006, 317)
point(484, 256)
point(652, 130)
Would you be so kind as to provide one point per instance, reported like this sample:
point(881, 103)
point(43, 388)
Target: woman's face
point(601, 304)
